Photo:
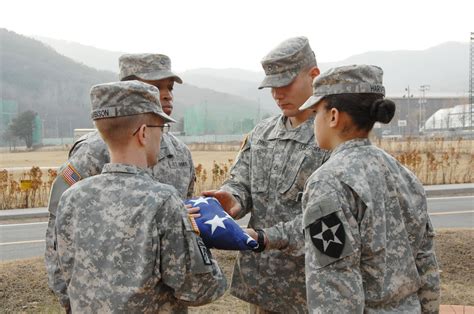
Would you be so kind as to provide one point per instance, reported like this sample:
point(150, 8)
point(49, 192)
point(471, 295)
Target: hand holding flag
point(219, 230)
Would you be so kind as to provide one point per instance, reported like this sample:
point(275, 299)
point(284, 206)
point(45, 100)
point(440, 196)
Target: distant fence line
point(190, 139)
point(232, 142)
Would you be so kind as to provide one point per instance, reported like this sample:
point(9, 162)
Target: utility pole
point(408, 96)
point(422, 104)
point(471, 79)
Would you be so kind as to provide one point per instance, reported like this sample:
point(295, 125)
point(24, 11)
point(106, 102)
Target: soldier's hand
point(193, 211)
point(67, 308)
point(254, 235)
point(230, 204)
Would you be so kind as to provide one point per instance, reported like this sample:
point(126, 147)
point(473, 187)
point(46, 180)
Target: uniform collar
point(125, 168)
point(304, 133)
point(357, 142)
point(167, 148)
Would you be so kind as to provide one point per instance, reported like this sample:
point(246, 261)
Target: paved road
point(27, 240)
point(452, 212)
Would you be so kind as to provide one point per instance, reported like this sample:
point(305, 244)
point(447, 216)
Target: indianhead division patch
point(70, 175)
point(328, 235)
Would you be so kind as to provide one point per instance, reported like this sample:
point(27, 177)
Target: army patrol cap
point(350, 79)
point(127, 98)
point(285, 62)
point(146, 66)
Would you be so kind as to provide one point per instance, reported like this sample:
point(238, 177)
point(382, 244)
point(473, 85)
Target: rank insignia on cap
point(328, 235)
point(70, 175)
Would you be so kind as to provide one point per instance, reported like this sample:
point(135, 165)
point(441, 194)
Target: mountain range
point(444, 67)
point(53, 77)
point(37, 77)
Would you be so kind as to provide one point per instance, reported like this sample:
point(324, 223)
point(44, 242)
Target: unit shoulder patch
point(328, 235)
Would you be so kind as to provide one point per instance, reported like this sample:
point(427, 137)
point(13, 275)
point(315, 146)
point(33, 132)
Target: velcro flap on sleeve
point(320, 207)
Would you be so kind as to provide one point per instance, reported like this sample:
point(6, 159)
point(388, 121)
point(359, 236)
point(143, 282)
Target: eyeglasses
point(164, 128)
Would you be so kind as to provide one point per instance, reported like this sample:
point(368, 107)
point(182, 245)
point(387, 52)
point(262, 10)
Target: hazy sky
point(237, 34)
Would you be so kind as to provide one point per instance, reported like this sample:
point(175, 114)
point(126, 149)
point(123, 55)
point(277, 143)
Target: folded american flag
point(218, 230)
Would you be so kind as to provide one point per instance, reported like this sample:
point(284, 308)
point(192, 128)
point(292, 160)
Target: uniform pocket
point(291, 186)
point(262, 159)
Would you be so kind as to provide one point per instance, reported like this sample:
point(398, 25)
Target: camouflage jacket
point(87, 158)
point(125, 244)
point(268, 178)
point(368, 236)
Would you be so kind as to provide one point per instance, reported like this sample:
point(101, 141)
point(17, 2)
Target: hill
point(96, 58)
point(444, 67)
point(37, 77)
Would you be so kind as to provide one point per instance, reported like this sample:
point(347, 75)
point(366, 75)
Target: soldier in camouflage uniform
point(267, 181)
point(368, 237)
point(124, 241)
point(89, 154)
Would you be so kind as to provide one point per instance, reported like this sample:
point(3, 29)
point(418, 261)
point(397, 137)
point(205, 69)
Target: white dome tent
point(456, 118)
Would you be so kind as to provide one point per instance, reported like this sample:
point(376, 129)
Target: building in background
point(8, 111)
point(454, 121)
point(213, 119)
point(37, 131)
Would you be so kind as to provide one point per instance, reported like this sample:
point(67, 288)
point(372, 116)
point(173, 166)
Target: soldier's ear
point(314, 72)
point(141, 135)
point(334, 117)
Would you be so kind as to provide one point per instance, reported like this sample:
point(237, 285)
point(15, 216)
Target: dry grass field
point(211, 169)
point(434, 161)
point(56, 158)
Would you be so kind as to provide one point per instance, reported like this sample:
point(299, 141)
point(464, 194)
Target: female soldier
point(368, 236)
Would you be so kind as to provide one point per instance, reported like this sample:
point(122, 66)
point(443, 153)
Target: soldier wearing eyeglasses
point(89, 154)
point(125, 243)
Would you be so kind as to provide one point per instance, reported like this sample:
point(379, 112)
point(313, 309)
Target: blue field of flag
point(219, 230)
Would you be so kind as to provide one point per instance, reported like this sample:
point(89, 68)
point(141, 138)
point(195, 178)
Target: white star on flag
point(216, 222)
point(249, 238)
point(200, 200)
point(333, 230)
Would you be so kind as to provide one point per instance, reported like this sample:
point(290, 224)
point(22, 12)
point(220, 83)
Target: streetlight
point(408, 96)
point(421, 103)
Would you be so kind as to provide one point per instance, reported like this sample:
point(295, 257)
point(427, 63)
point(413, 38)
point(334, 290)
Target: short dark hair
point(365, 108)
point(118, 131)
point(130, 78)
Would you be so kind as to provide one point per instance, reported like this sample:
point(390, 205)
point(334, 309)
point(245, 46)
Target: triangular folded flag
point(219, 230)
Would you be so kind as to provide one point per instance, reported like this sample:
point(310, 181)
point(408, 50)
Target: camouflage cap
point(146, 66)
point(350, 79)
point(127, 98)
point(286, 61)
